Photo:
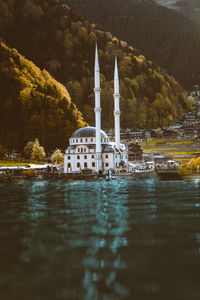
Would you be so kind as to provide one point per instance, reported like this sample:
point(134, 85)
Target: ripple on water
point(121, 239)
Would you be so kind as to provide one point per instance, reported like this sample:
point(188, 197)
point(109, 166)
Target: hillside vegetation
point(163, 35)
point(63, 42)
point(191, 9)
point(33, 104)
point(188, 3)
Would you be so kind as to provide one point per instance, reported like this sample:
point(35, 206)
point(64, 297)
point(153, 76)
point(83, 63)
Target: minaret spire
point(96, 68)
point(116, 105)
point(97, 91)
point(116, 78)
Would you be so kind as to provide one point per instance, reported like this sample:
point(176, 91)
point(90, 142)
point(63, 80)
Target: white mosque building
point(89, 147)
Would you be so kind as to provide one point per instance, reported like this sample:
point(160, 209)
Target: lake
point(100, 240)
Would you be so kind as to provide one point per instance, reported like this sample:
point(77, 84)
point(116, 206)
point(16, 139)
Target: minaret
point(117, 109)
point(97, 110)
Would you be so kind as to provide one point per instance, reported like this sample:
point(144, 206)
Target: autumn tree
point(57, 157)
point(28, 149)
point(38, 152)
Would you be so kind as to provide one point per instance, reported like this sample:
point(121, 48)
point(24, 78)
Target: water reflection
point(122, 239)
point(107, 215)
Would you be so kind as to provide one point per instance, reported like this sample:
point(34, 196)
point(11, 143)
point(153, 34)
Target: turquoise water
point(121, 239)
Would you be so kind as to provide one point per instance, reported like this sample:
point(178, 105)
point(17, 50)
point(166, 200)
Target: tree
point(195, 163)
point(28, 149)
point(38, 151)
point(142, 116)
point(57, 157)
point(2, 150)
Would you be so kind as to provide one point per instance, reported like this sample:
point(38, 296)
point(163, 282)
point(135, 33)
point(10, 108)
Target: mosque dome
point(87, 132)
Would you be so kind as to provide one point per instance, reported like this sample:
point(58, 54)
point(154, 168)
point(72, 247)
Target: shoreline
point(95, 177)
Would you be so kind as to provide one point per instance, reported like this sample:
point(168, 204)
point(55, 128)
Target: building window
point(78, 149)
point(85, 165)
point(85, 156)
point(69, 165)
point(93, 164)
point(81, 140)
point(77, 140)
point(78, 157)
point(86, 140)
point(85, 149)
point(106, 155)
point(107, 164)
point(81, 149)
point(78, 165)
point(68, 157)
point(92, 156)
point(116, 156)
point(91, 140)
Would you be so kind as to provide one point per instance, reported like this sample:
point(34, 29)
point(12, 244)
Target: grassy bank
point(13, 163)
point(180, 150)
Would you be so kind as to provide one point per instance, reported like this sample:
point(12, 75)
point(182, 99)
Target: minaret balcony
point(117, 112)
point(97, 90)
point(97, 109)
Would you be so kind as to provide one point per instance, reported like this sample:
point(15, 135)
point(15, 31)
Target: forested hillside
point(188, 3)
point(63, 42)
point(33, 105)
point(191, 9)
point(163, 35)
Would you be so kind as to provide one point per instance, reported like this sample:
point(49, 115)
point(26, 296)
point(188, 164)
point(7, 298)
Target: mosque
point(89, 147)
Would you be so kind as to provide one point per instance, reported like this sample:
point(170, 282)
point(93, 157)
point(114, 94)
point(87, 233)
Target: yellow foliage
point(29, 173)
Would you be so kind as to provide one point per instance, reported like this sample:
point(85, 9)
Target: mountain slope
point(190, 8)
point(63, 42)
point(33, 104)
point(161, 34)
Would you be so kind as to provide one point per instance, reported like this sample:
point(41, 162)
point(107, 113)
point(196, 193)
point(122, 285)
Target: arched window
point(107, 164)
point(93, 156)
point(69, 165)
point(81, 149)
point(91, 140)
point(85, 149)
point(78, 157)
point(81, 140)
point(85, 165)
point(68, 157)
point(106, 155)
point(86, 140)
point(78, 165)
point(85, 156)
point(93, 164)
point(77, 140)
point(78, 149)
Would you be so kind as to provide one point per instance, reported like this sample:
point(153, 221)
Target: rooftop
point(87, 132)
